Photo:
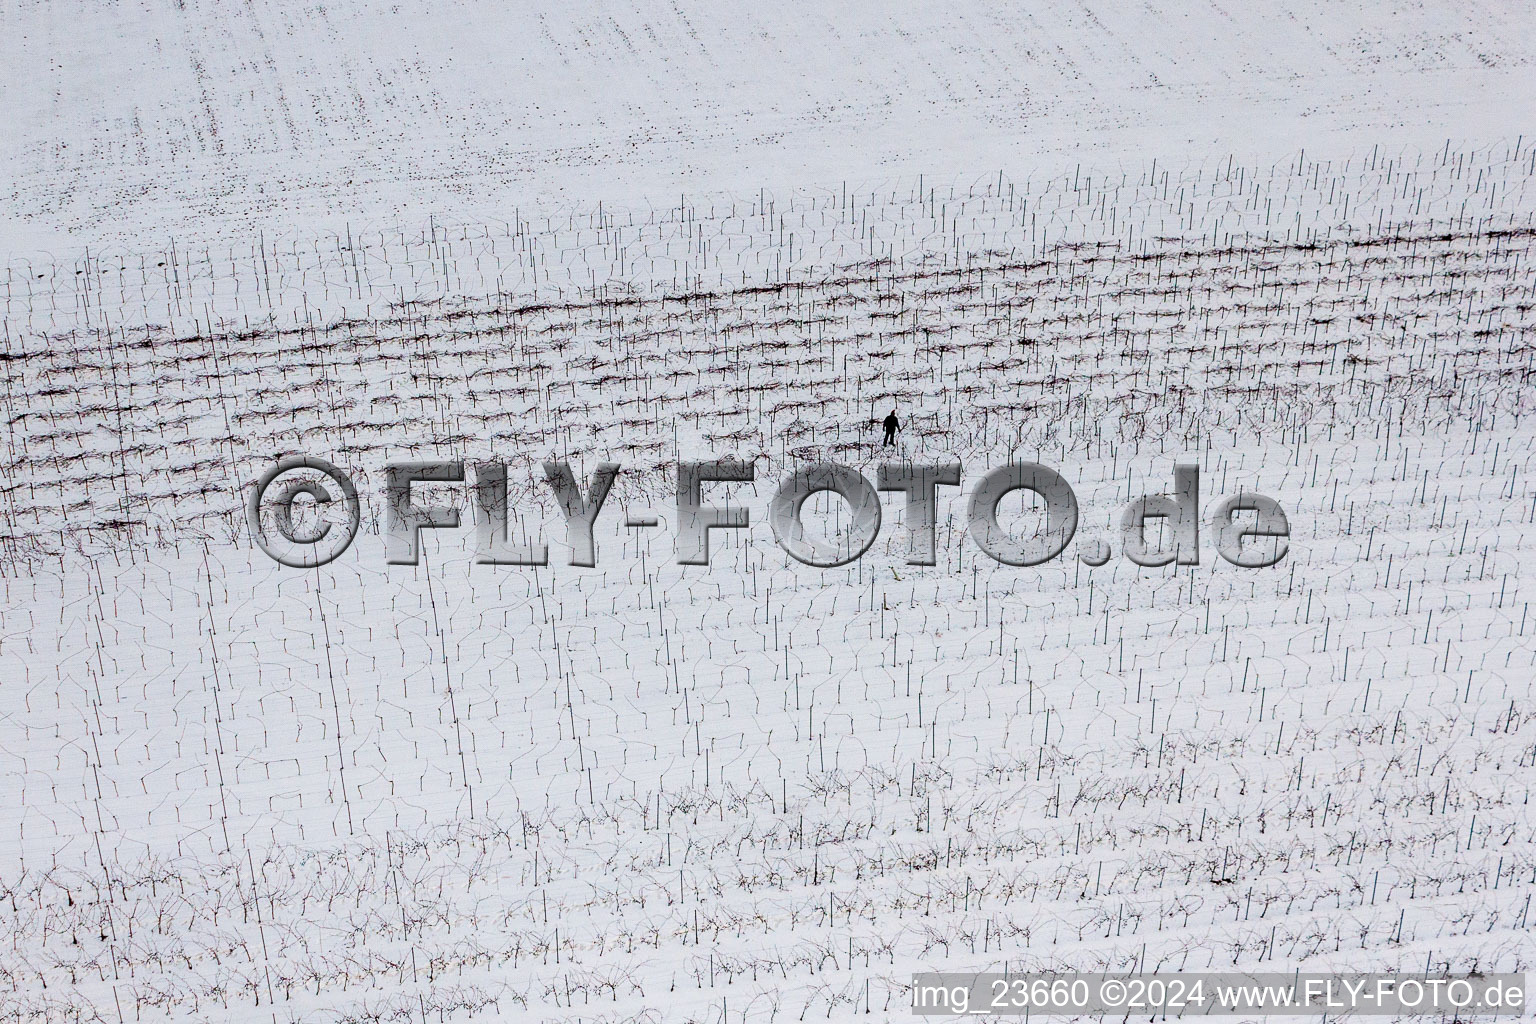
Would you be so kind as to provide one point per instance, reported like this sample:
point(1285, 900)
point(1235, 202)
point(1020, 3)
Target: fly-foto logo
point(1248, 529)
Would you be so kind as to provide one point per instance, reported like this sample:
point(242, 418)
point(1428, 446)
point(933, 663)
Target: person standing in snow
point(891, 426)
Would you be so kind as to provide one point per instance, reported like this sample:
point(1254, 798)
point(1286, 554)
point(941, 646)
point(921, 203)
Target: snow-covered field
point(134, 123)
point(758, 790)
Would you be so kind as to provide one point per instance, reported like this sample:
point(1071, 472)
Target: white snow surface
point(131, 123)
point(1289, 243)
